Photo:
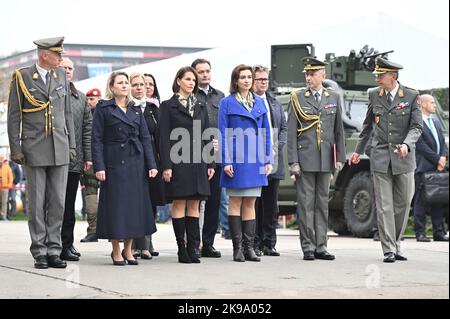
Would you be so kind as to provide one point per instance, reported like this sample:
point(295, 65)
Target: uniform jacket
point(426, 157)
point(26, 131)
point(82, 122)
point(398, 123)
point(250, 154)
point(211, 101)
point(190, 176)
point(304, 149)
point(278, 120)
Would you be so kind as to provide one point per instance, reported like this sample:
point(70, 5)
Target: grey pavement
point(357, 272)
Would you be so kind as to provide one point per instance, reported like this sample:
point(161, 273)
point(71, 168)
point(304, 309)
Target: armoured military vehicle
point(351, 200)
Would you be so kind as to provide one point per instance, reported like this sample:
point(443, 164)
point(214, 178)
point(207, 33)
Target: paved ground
point(357, 272)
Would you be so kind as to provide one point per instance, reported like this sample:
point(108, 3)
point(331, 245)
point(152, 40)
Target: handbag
point(435, 187)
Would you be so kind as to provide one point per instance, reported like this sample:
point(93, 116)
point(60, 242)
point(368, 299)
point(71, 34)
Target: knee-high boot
point(193, 238)
point(236, 237)
point(248, 231)
point(179, 229)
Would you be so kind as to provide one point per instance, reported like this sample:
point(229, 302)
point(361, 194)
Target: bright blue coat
point(242, 153)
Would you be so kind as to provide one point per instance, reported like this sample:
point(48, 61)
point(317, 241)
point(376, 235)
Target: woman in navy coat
point(185, 170)
point(246, 157)
point(123, 162)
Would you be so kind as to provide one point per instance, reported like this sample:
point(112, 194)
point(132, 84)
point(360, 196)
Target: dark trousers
point(420, 208)
point(69, 210)
point(267, 215)
point(211, 217)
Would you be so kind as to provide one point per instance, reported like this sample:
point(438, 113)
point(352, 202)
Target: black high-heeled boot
point(236, 237)
point(179, 230)
point(193, 239)
point(248, 232)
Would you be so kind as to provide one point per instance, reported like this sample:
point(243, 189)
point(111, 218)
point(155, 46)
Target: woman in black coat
point(156, 185)
point(123, 162)
point(185, 171)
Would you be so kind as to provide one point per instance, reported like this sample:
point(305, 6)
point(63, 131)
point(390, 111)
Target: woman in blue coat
point(246, 158)
point(123, 162)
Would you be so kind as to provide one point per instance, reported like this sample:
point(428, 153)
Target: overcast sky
point(204, 23)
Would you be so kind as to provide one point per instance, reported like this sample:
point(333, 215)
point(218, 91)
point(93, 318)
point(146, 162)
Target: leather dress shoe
point(211, 252)
point(400, 257)
point(153, 252)
point(40, 262)
point(146, 255)
point(118, 262)
point(133, 262)
point(258, 251)
point(67, 254)
point(324, 255)
point(440, 238)
point(269, 251)
point(74, 251)
point(55, 262)
point(422, 238)
point(90, 238)
point(308, 255)
point(389, 258)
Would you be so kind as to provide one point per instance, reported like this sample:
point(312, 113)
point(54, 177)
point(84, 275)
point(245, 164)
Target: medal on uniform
point(377, 119)
point(35, 76)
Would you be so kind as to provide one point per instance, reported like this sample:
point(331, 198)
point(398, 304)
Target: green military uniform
point(40, 130)
point(398, 121)
point(90, 183)
point(315, 141)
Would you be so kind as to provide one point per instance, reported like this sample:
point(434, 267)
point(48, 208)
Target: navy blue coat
point(121, 146)
point(248, 155)
point(426, 157)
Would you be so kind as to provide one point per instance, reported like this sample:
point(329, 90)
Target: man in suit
point(267, 204)
point(315, 149)
point(395, 111)
point(210, 97)
point(41, 137)
point(431, 153)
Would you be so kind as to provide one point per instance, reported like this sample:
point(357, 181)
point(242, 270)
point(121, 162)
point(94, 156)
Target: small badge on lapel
point(35, 76)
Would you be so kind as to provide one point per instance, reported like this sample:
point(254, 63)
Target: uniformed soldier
point(41, 137)
point(395, 111)
point(315, 149)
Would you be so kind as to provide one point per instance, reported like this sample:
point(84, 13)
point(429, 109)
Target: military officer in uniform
point(315, 149)
point(395, 111)
point(41, 137)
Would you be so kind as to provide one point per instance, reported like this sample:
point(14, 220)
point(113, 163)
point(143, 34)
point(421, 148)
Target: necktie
point(389, 98)
point(317, 97)
point(435, 134)
point(47, 81)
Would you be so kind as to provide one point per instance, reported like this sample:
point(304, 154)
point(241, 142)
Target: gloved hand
point(72, 154)
point(294, 169)
point(18, 158)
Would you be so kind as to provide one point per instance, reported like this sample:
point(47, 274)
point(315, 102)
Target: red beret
point(94, 92)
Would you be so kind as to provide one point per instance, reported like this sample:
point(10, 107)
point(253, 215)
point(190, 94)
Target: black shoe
point(132, 262)
point(74, 251)
point(55, 262)
point(400, 257)
point(440, 238)
point(210, 252)
point(153, 252)
point(67, 254)
point(118, 262)
point(90, 238)
point(40, 262)
point(269, 251)
point(325, 255)
point(376, 236)
point(147, 256)
point(389, 258)
point(258, 252)
point(308, 255)
point(422, 238)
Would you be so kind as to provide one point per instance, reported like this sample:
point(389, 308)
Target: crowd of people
point(134, 154)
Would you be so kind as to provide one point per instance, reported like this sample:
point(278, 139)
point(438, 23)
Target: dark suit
point(427, 159)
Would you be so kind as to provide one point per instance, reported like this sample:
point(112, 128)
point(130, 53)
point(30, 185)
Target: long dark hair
point(155, 92)
point(181, 72)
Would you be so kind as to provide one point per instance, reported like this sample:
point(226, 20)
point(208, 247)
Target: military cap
point(383, 66)
point(52, 44)
point(94, 92)
point(312, 64)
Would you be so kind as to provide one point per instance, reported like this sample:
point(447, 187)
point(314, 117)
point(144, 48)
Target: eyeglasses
point(262, 79)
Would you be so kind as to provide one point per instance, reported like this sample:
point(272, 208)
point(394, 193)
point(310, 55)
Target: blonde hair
point(111, 79)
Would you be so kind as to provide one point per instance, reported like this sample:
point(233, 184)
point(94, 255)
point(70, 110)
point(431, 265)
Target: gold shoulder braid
point(303, 117)
point(38, 105)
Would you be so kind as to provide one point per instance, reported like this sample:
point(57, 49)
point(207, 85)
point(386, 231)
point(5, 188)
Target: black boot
point(193, 239)
point(236, 237)
point(151, 249)
point(248, 232)
point(179, 229)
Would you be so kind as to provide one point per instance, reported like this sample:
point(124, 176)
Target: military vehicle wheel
point(337, 223)
point(359, 205)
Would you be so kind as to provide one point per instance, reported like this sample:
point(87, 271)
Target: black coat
point(190, 175)
point(157, 189)
point(426, 157)
point(121, 147)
